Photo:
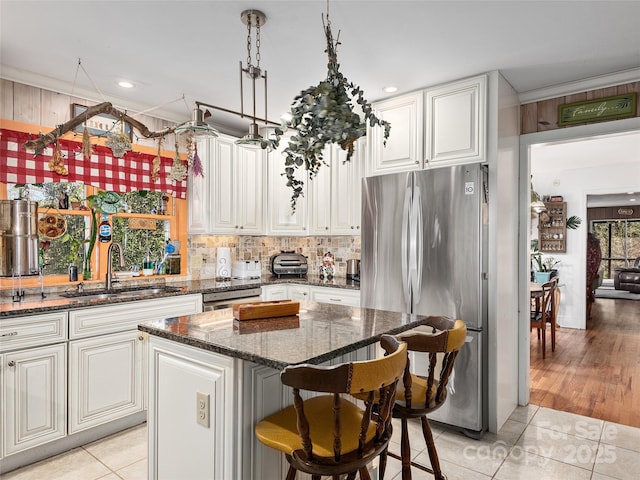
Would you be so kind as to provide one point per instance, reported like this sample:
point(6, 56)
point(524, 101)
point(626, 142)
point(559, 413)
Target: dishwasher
point(225, 299)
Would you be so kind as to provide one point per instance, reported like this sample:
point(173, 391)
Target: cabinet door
point(199, 203)
point(274, 292)
point(105, 379)
point(346, 188)
point(320, 198)
point(282, 220)
point(187, 384)
point(404, 147)
point(337, 296)
point(34, 397)
point(456, 122)
point(222, 186)
point(249, 192)
point(298, 292)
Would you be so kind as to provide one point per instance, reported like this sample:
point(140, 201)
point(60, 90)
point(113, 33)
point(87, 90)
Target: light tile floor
point(535, 443)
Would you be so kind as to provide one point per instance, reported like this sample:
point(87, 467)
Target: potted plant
point(544, 266)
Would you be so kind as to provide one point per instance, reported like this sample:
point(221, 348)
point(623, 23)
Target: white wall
point(574, 185)
point(502, 135)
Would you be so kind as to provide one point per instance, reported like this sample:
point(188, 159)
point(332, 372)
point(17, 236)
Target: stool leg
point(431, 449)
point(405, 451)
point(291, 474)
point(382, 465)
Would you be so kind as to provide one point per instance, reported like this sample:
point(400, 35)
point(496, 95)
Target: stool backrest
point(442, 345)
point(373, 380)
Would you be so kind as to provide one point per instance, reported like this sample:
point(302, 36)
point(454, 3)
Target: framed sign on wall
point(100, 124)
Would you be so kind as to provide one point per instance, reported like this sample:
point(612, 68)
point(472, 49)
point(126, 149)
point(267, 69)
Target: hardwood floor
point(593, 372)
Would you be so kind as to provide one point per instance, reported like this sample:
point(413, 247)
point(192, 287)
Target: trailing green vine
point(323, 115)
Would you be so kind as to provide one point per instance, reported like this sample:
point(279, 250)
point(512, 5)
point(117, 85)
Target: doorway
point(576, 246)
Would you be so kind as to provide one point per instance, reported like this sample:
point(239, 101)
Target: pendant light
point(197, 126)
point(253, 19)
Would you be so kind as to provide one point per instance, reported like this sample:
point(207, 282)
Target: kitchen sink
point(121, 293)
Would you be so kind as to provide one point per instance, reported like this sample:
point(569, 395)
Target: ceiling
point(177, 52)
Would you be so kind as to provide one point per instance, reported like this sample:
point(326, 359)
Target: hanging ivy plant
point(322, 115)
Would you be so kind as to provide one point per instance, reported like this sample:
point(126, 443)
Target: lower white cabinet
point(337, 296)
point(192, 420)
point(105, 379)
point(34, 393)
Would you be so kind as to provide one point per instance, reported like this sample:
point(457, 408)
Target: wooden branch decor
point(39, 144)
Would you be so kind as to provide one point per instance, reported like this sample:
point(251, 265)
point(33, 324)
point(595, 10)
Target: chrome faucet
point(108, 280)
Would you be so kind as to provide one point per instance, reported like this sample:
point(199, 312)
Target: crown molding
point(570, 88)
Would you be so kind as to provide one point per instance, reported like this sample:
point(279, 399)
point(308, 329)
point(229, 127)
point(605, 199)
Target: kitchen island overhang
point(203, 365)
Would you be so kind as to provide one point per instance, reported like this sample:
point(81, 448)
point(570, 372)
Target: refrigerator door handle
point(406, 214)
point(417, 243)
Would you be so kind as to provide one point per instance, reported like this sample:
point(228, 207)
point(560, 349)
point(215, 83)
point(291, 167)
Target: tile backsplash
point(202, 251)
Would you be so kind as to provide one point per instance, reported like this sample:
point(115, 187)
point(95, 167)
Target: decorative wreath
point(52, 225)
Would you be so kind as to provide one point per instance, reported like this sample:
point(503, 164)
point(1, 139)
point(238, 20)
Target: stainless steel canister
point(18, 238)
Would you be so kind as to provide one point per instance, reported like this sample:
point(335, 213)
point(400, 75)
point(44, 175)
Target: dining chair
point(330, 433)
point(543, 313)
point(425, 391)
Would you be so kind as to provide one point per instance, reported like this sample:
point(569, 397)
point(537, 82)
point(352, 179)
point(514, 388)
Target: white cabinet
point(199, 208)
point(337, 296)
point(106, 357)
point(187, 384)
point(404, 148)
point(293, 291)
point(282, 220)
point(33, 397)
point(455, 126)
point(105, 379)
point(236, 188)
point(335, 193)
point(229, 198)
point(274, 292)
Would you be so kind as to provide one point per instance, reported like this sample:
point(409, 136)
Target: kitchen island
point(211, 378)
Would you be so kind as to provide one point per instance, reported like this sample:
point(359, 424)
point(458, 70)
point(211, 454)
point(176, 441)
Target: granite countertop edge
point(267, 361)
point(35, 304)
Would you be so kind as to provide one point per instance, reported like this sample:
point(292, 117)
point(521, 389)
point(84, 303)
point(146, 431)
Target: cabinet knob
point(417, 162)
point(241, 227)
point(352, 227)
point(326, 228)
point(141, 337)
point(12, 363)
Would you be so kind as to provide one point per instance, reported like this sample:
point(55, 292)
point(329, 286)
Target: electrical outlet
point(202, 410)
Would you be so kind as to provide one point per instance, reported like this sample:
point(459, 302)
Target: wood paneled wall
point(611, 213)
point(48, 109)
point(543, 115)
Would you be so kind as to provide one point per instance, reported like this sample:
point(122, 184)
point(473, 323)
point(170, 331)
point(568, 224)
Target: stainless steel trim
point(231, 294)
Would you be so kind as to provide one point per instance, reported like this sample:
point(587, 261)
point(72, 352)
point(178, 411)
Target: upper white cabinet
point(229, 198)
point(236, 190)
point(404, 148)
point(335, 193)
point(455, 126)
point(198, 193)
point(282, 220)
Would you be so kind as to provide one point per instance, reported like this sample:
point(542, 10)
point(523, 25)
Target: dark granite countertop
point(33, 303)
point(319, 333)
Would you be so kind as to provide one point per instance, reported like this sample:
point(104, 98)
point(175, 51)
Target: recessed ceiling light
point(125, 84)
point(632, 199)
point(390, 89)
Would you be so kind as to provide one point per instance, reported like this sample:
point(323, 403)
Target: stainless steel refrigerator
point(424, 252)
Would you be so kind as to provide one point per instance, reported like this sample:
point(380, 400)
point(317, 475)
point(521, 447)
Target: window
point(619, 243)
point(147, 222)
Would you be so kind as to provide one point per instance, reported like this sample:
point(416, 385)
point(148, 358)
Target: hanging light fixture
point(537, 205)
point(197, 126)
point(253, 19)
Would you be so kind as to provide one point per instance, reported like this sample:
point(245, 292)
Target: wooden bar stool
point(544, 313)
point(420, 395)
point(329, 434)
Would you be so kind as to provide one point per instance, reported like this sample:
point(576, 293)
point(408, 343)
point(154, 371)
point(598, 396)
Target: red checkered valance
point(129, 173)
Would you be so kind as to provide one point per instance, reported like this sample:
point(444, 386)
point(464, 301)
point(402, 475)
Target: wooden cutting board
point(258, 310)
